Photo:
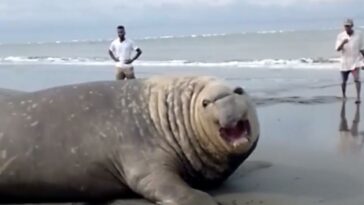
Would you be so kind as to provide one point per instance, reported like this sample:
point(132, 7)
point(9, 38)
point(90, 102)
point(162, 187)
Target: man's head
point(121, 32)
point(348, 25)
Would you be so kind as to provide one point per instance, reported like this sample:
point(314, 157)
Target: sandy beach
point(302, 157)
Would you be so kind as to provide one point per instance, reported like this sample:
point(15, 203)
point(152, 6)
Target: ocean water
point(266, 62)
point(312, 49)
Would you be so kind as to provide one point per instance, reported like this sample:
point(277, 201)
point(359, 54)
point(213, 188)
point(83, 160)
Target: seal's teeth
point(242, 140)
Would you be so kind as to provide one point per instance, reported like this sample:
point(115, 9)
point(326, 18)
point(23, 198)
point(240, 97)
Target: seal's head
point(228, 117)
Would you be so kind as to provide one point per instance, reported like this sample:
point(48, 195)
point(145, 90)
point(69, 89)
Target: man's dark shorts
point(355, 72)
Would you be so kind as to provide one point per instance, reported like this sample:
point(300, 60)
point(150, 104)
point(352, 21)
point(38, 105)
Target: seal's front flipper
point(167, 188)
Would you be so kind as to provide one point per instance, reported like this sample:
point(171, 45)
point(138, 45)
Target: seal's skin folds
point(164, 138)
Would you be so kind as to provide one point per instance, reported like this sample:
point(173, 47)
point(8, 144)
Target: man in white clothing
point(350, 44)
point(120, 51)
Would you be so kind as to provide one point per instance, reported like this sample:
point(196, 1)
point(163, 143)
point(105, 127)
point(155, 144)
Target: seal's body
point(162, 138)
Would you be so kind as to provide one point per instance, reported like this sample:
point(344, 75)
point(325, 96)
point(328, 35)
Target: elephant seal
point(164, 138)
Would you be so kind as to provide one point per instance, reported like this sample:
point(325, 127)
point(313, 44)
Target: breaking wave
point(303, 63)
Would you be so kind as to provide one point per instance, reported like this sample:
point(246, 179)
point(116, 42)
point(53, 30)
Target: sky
point(45, 20)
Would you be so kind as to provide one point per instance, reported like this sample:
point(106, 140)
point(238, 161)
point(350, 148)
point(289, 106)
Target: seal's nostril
point(239, 90)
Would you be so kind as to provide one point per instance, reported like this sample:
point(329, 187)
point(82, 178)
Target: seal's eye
point(205, 103)
point(239, 91)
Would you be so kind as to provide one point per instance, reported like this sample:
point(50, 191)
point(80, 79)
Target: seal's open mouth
point(236, 134)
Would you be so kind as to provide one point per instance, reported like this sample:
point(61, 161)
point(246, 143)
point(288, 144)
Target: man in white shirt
point(350, 44)
point(120, 51)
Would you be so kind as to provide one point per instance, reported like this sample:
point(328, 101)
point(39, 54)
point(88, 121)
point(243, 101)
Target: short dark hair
point(120, 27)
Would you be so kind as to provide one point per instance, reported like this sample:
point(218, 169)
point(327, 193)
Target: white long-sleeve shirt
point(351, 57)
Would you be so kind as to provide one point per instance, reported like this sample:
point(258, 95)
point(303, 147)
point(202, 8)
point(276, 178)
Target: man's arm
point(138, 53)
point(112, 56)
point(342, 45)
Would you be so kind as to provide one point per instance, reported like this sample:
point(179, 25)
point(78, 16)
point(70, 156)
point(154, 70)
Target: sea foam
point(302, 63)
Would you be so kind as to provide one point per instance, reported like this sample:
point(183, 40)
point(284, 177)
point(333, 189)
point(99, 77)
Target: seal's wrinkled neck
point(174, 111)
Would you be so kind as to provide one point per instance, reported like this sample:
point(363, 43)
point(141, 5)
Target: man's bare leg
point(357, 84)
point(343, 89)
point(344, 77)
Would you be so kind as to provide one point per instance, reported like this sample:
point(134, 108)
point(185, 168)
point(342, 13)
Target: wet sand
point(310, 152)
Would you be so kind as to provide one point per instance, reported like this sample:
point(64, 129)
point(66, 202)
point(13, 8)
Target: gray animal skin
point(166, 139)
